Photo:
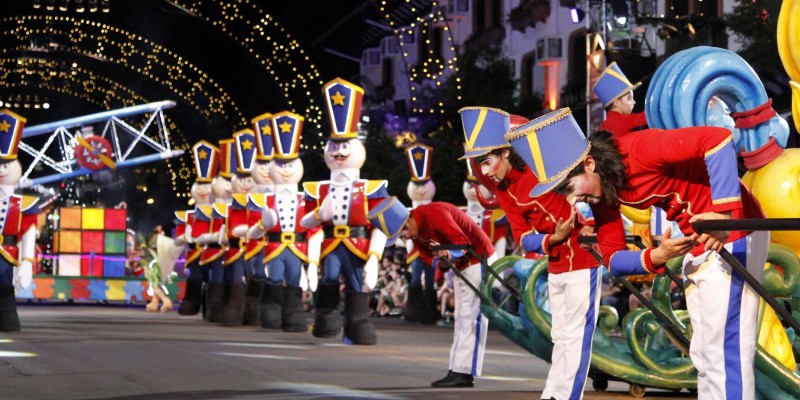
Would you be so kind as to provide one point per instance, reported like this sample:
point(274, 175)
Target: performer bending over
point(690, 173)
point(439, 223)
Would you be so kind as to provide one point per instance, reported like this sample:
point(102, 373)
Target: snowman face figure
point(260, 172)
point(286, 171)
point(222, 188)
point(469, 191)
point(420, 191)
point(344, 154)
point(10, 172)
point(243, 183)
point(201, 193)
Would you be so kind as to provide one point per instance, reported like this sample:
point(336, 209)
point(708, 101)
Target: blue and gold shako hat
point(483, 130)
point(227, 157)
point(262, 125)
point(11, 125)
point(343, 104)
point(206, 161)
point(612, 84)
point(419, 161)
point(287, 128)
point(552, 145)
point(246, 150)
point(390, 217)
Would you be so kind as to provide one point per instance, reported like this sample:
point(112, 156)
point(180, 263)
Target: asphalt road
point(122, 352)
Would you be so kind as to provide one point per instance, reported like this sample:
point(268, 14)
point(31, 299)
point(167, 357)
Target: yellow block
point(93, 218)
point(116, 289)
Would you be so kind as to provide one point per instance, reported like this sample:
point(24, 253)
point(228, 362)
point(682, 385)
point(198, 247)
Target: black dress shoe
point(454, 380)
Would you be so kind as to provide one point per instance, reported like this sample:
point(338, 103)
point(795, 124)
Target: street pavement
point(95, 351)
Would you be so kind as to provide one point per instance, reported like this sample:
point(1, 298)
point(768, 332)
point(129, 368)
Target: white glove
point(268, 218)
point(325, 209)
point(371, 272)
point(187, 234)
point(23, 275)
point(266, 271)
point(313, 276)
point(303, 279)
point(223, 236)
point(239, 231)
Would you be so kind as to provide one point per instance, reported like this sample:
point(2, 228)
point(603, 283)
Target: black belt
point(9, 240)
point(343, 231)
point(234, 243)
point(286, 237)
point(213, 246)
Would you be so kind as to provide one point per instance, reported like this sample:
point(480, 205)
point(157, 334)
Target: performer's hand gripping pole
point(674, 331)
point(753, 224)
point(487, 267)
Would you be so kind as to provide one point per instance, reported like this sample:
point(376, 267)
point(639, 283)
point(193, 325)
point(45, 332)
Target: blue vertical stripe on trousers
point(586, 346)
point(733, 361)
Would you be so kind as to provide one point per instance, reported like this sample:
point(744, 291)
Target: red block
point(116, 219)
point(93, 241)
point(91, 266)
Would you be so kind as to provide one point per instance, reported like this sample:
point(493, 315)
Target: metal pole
point(494, 273)
point(673, 329)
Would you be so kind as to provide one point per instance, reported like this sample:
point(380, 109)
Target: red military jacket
point(363, 196)
point(209, 219)
point(20, 216)
point(237, 215)
point(184, 218)
point(255, 203)
point(445, 223)
point(669, 169)
point(621, 124)
point(538, 216)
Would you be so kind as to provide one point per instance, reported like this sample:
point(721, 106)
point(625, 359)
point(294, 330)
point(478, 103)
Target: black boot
point(357, 328)
point(454, 380)
point(414, 305)
point(430, 314)
point(192, 298)
point(269, 310)
point(327, 321)
point(251, 299)
point(293, 318)
point(9, 320)
point(215, 294)
point(233, 311)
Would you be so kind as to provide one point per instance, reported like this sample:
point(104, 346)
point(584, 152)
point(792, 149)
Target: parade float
point(90, 246)
point(652, 351)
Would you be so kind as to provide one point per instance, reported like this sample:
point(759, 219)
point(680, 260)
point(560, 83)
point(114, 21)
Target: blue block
point(113, 268)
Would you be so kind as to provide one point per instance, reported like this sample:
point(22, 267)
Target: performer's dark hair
point(514, 158)
point(608, 164)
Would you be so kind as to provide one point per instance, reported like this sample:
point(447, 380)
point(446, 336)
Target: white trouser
point(470, 327)
point(574, 305)
point(724, 315)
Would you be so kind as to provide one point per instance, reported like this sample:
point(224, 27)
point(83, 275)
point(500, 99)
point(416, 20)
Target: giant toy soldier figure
point(351, 246)
point(17, 222)
point(189, 226)
point(287, 242)
point(421, 305)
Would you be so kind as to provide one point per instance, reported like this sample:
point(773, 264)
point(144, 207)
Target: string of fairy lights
point(277, 52)
point(433, 67)
point(85, 84)
point(288, 65)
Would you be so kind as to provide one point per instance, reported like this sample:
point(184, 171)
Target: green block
point(115, 242)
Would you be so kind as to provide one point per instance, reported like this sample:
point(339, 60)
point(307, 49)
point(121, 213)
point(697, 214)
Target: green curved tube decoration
point(645, 355)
